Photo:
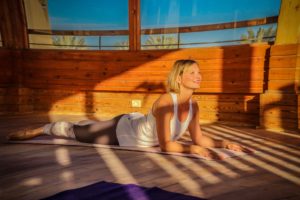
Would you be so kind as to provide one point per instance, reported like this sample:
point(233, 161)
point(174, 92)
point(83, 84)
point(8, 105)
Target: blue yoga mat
point(114, 191)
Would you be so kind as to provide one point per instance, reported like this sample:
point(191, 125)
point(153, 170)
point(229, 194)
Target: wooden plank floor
point(35, 171)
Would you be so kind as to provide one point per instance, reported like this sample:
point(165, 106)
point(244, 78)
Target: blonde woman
point(172, 114)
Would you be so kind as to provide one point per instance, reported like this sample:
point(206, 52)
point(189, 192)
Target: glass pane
point(79, 42)
point(160, 41)
point(157, 16)
point(80, 15)
point(255, 34)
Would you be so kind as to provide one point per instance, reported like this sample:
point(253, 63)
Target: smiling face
point(184, 74)
point(190, 78)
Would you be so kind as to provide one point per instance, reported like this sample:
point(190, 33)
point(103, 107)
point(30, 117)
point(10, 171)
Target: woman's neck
point(184, 96)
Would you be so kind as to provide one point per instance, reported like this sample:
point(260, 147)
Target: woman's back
point(136, 129)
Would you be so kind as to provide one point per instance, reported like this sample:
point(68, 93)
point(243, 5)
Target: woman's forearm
point(191, 149)
point(209, 142)
point(178, 147)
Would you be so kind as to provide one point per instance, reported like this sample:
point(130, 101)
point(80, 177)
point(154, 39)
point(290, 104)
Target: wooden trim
point(135, 23)
point(24, 24)
point(131, 22)
point(138, 25)
point(3, 27)
point(13, 24)
point(78, 32)
point(212, 27)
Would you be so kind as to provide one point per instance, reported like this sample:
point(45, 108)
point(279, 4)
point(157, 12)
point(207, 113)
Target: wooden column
point(288, 31)
point(134, 25)
point(15, 98)
point(13, 24)
point(297, 83)
point(279, 104)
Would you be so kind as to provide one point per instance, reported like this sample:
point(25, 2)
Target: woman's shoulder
point(165, 99)
point(195, 104)
point(194, 101)
point(163, 103)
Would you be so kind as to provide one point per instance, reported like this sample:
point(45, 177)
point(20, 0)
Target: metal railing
point(172, 30)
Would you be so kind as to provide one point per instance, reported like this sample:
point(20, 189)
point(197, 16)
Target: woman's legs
point(61, 129)
point(100, 132)
point(26, 134)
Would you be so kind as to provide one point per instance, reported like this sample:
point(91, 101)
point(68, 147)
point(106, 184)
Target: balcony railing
point(172, 30)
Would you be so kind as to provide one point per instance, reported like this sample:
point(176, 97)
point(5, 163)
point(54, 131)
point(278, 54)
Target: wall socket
point(136, 103)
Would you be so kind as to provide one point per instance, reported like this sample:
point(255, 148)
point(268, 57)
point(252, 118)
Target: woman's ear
point(178, 79)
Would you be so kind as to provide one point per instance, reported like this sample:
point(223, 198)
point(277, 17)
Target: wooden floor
point(37, 171)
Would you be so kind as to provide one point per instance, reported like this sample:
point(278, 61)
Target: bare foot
point(25, 134)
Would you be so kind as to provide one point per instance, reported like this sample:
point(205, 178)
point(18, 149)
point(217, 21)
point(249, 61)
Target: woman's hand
point(205, 152)
point(236, 147)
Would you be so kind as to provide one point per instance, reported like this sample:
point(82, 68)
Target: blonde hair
point(178, 68)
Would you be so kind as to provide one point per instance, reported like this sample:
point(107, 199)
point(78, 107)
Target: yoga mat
point(114, 191)
point(70, 142)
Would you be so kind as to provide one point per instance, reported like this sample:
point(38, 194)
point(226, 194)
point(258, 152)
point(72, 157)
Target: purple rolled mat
point(115, 191)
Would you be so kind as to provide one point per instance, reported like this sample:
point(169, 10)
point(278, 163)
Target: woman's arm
point(196, 135)
point(199, 139)
point(163, 112)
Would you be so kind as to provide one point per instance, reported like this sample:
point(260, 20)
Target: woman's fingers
point(237, 147)
point(209, 154)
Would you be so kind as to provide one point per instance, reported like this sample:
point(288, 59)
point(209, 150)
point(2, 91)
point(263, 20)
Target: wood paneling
point(279, 104)
point(224, 70)
point(104, 83)
point(6, 68)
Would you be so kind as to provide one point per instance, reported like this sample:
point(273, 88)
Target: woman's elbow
point(163, 147)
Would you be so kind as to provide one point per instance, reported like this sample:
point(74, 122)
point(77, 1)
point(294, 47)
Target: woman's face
point(191, 77)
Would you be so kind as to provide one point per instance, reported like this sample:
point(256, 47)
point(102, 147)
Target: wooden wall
point(6, 81)
point(6, 66)
point(105, 83)
point(279, 104)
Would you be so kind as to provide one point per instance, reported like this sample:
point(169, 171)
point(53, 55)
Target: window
point(167, 24)
point(80, 24)
point(172, 24)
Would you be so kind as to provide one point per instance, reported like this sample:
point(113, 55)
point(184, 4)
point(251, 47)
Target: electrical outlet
point(136, 103)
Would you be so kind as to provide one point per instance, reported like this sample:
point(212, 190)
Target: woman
point(172, 114)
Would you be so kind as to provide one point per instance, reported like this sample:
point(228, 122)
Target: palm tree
point(69, 42)
point(154, 42)
point(124, 45)
point(161, 42)
point(261, 35)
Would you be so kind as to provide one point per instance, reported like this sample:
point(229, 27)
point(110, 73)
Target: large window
point(164, 24)
point(80, 24)
point(171, 24)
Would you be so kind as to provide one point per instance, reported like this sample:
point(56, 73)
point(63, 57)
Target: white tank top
point(136, 129)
